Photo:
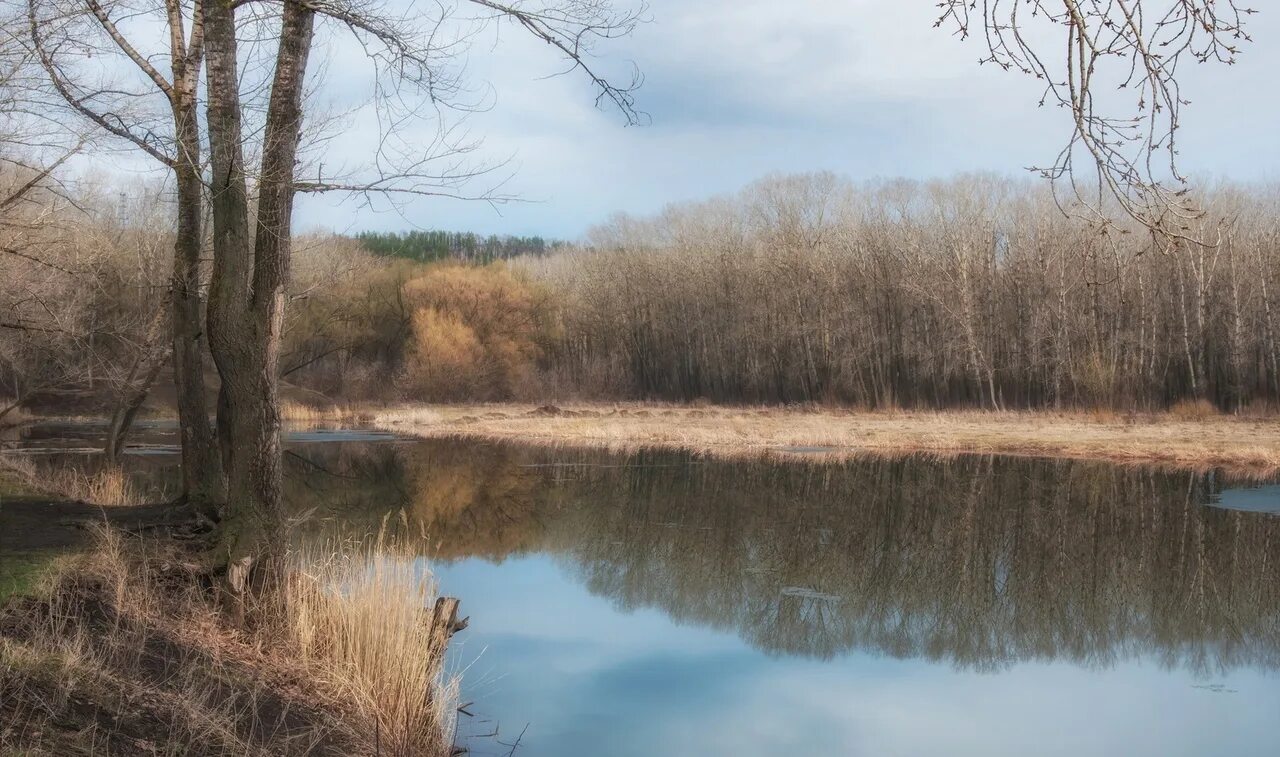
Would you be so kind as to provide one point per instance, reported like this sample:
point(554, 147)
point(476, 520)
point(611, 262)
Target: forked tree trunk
point(123, 416)
point(247, 292)
point(142, 376)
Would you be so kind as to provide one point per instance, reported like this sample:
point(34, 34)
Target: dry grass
point(1186, 438)
point(304, 413)
point(108, 486)
point(114, 658)
point(354, 615)
point(15, 417)
point(124, 652)
point(1192, 410)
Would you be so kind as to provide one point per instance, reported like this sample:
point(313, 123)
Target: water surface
point(662, 603)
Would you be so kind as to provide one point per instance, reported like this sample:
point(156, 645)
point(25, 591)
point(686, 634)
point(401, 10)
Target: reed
point(108, 486)
point(314, 414)
point(337, 658)
point(355, 615)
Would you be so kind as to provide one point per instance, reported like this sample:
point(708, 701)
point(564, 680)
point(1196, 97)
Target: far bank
point(1189, 439)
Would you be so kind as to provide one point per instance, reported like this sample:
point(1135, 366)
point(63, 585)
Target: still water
point(665, 604)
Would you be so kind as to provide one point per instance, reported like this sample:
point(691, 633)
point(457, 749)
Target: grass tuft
point(107, 486)
point(357, 616)
point(305, 413)
point(1192, 410)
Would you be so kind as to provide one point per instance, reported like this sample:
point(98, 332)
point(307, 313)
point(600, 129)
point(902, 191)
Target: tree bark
point(247, 292)
point(202, 474)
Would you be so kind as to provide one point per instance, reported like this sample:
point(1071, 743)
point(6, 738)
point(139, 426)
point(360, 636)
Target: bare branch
point(573, 28)
point(1112, 46)
point(40, 176)
point(128, 49)
point(109, 122)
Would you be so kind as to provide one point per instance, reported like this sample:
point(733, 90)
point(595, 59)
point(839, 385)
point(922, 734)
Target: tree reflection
point(979, 561)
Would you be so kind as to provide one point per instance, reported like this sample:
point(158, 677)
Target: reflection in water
point(660, 603)
point(978, 561)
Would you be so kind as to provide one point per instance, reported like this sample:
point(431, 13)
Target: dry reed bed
point(1193, 440)
point(106, 486)
point(124, 650)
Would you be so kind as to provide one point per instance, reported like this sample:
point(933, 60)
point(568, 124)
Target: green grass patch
point(21, 572)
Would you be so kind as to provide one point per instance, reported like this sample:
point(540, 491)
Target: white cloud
point(741, 88)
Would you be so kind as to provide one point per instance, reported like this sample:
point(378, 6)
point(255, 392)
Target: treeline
point(432, 246)
point(973, 292)
point(85, 273)
point(976, 291)
point(82, 283)
point(439, 332)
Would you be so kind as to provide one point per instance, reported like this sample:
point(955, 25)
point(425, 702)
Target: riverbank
point(1190, 438)
point(113, 641)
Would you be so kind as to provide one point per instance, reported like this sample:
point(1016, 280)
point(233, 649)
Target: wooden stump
point(444, 623)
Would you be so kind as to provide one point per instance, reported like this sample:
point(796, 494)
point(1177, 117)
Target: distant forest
point(976, 291)
point(465, 246)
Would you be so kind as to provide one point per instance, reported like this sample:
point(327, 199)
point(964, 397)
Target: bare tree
point(965, 292)
point(252, 249)
point(155, 113)
point(1119, 81)
point(33, 331)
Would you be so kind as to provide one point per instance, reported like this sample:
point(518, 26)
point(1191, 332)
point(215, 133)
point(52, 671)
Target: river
point(668, 603)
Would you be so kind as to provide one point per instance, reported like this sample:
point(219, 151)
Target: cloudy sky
point(737, 89)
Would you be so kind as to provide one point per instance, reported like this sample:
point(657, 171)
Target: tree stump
point(443, 624)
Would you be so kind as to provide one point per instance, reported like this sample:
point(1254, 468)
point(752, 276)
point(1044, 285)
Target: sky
point(738, 89)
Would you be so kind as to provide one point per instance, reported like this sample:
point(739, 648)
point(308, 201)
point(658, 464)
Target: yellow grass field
point(1239, 444)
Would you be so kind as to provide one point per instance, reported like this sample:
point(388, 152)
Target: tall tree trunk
point(247, 293)
point(1272, 361)
point(1236, 341)
point(1193, 371)
point(202, 474)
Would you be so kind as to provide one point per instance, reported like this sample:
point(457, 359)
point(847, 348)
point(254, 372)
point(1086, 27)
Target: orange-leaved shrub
point(478, 332)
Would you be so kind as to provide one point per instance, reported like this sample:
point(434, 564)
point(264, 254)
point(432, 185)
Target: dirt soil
point(98, 664)
point(140, 690)
point(33, 523)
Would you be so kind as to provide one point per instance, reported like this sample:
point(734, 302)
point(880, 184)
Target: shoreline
point(1241, 445)
point(117, 642)
point(1247, 445)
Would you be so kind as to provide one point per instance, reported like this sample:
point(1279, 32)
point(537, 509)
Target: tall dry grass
point(107, 486)
point(1192, 410)
point(1196, 437)
point(355, 614)
point(111, 657)
point(306, 413)
point(340, 653)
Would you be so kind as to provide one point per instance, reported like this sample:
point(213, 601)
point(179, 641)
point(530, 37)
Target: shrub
point(477, 332)
point(1192, 410)
point(446, 360)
